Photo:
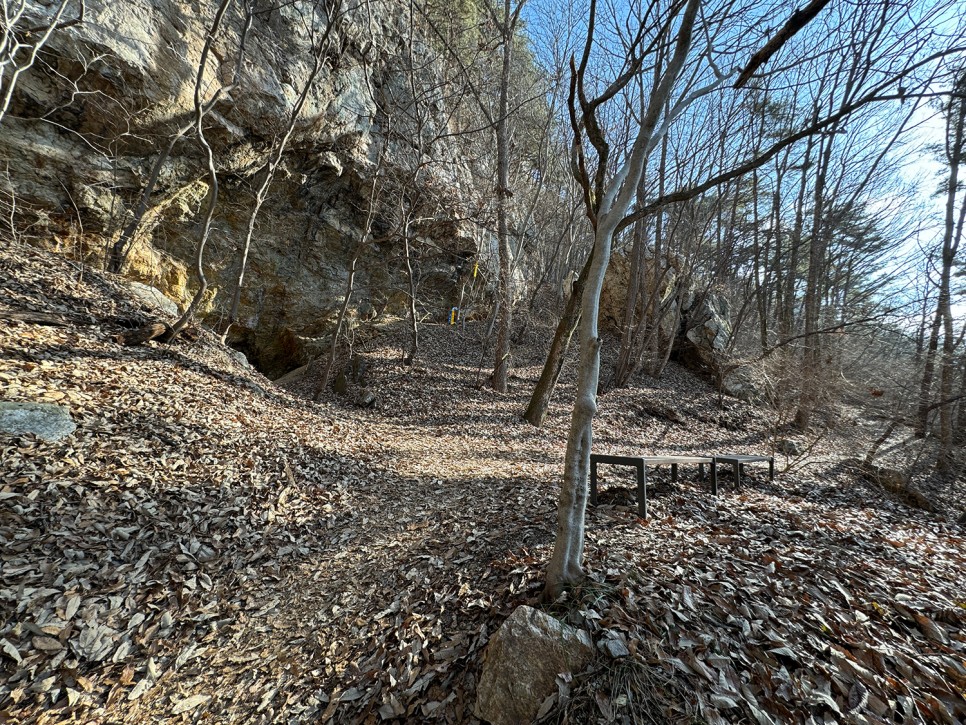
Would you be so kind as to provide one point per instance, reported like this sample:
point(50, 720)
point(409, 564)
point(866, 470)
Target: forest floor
point(208, 546)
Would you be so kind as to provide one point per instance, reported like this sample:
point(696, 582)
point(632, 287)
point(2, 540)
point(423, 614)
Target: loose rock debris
point(207, 545)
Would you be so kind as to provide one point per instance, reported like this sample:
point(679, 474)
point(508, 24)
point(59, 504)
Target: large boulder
point(740, 383)
point(613, 296)
point(705, 331)
point(522, 662)
point(700, 339)
point(45, 420)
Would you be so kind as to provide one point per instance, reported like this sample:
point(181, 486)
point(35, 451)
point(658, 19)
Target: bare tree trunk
point(787, 322)
point(410, 359)
point(928, 373)
point(760, 269)
point(944, 461)
point(501, 366)
point(654, 315)
point(622, 371)
point(813, 297)
point(566, 563)
point(543, 392)
point(956, 146)
point(334, 347)
point(122, 247)
point(952, 233)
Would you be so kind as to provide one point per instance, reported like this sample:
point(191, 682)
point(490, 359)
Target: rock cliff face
point(89, 120)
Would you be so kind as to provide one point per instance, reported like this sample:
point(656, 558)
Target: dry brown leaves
point(207, 545)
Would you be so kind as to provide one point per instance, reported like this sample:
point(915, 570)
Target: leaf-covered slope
point(208, 545)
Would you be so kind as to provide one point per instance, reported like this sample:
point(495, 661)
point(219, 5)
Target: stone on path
point(45, 420)
point(522, 662)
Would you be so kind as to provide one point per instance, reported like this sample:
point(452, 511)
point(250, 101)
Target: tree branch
point(798, 20)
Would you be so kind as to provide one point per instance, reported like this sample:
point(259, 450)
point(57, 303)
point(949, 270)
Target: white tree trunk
point(566, 563)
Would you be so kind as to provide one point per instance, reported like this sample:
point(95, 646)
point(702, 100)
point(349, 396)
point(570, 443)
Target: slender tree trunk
point(923, 317)
point(625, 356)
point(543, 392)
point(662, 355)
point(501, 366)
point(952, 233)
point(122, 246)
point(566, 563)
point(787, 322)
point(410, 359)
point(944, 461)
point(323, 380)
point(956, 147)
point(760, 266)
point(813, 294)
point(929, 371)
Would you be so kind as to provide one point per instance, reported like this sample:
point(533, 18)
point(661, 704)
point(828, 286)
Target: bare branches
point(876, 95)
point(19, 49)
point(201, 109)
point(798, 20)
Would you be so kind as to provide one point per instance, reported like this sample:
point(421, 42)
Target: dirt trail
point(207, 545)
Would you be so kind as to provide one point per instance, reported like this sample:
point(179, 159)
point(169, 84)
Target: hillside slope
point(208, 545)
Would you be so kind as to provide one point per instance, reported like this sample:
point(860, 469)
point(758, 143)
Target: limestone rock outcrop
point(522, 662)
point(87, 123)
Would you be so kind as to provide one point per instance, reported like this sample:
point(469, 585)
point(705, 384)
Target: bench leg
point(714, 478)
point(771, 468)
point(701, 471)
point(593, 483)
point(641, 491)
point(674, 472)
point(737, 471)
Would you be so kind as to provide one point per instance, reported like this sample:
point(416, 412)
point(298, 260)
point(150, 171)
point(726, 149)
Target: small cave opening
point(273, 356)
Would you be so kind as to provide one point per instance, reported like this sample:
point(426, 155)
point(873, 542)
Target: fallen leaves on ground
point(209, 545)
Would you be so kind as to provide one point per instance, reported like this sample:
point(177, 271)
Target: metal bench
point(737, 463)
point(640, 463)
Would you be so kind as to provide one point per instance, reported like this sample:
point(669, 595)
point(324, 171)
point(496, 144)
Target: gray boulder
point(45, 420)
point(366, 398)
point(154, 298)
point(706, 328)
point(522, 662)
point(738, 383)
